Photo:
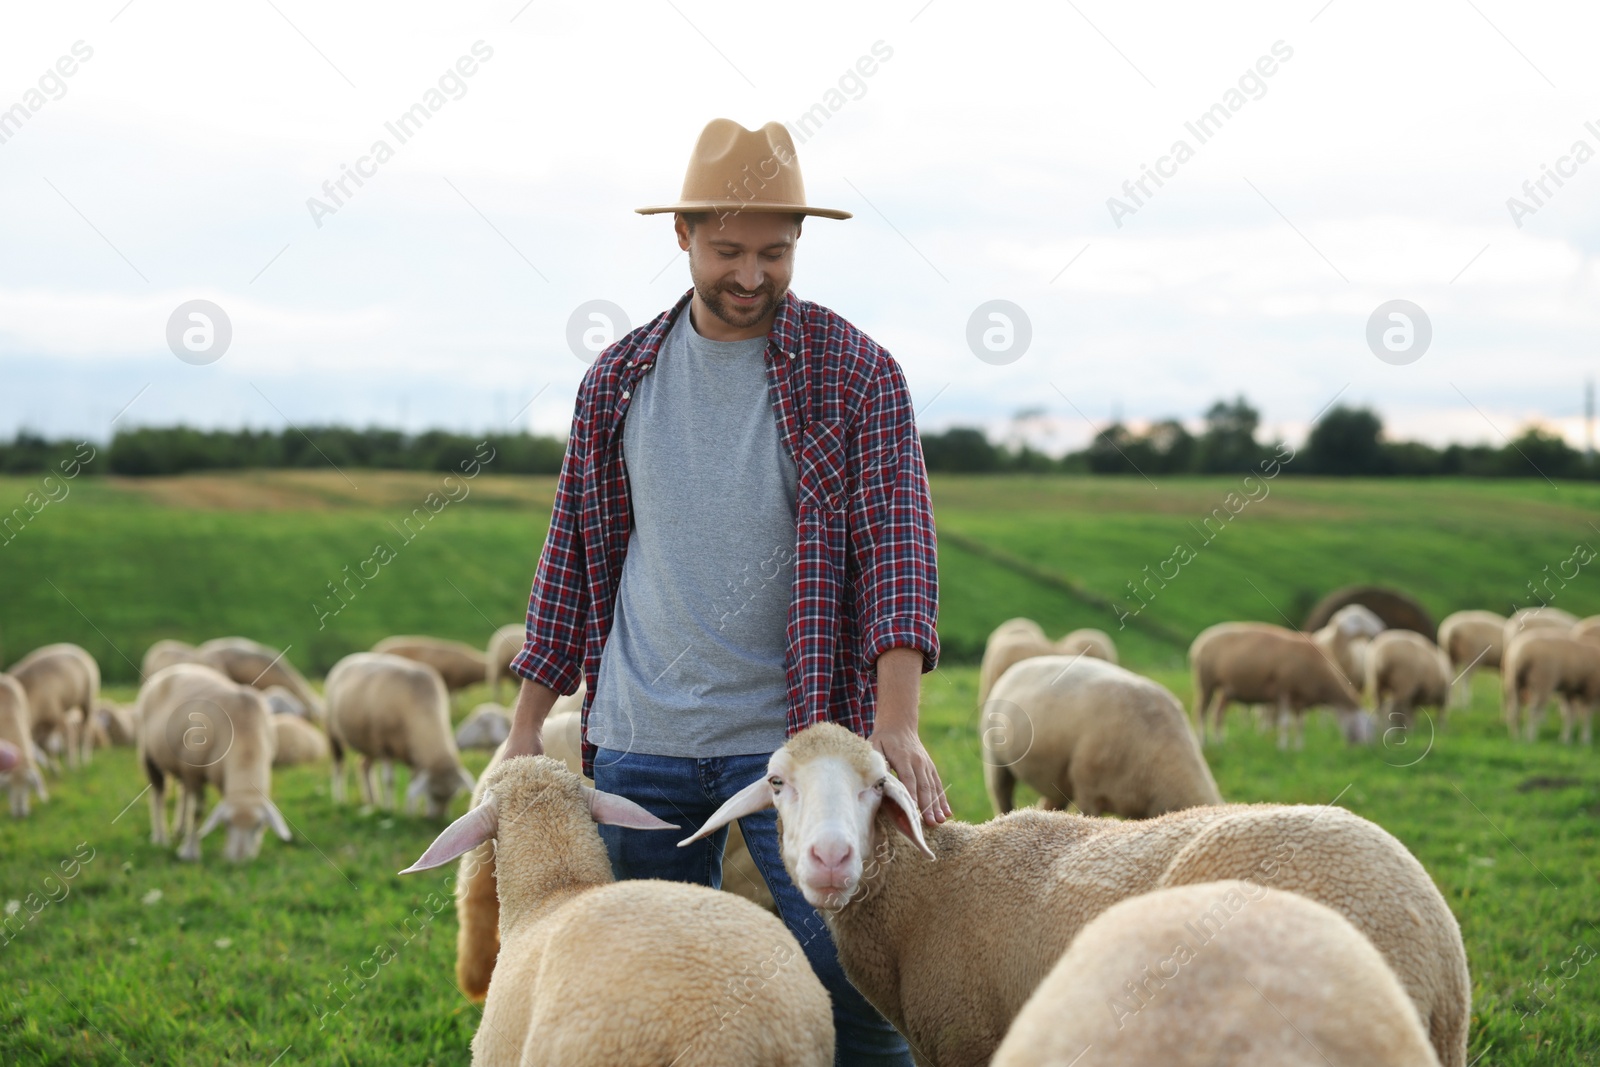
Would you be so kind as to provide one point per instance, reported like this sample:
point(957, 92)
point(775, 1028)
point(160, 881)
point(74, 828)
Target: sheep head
point(247, 822)
point(438, 785)
point(829, 787)
point(1357, 620)
point(537, 791)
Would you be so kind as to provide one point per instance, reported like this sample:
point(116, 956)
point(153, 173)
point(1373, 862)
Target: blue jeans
point(686, 792)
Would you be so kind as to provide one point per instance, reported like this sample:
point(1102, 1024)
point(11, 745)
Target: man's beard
point(712, 297)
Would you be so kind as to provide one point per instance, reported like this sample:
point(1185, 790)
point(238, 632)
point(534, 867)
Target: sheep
point(283, 701)
point(1011, 642)
point(1541, 663)
point(296, 741)
point(1406, 671)
point(1006, 898)
point(1588, 630)
point(1221, 972)
point(477, 907)
point(63, 686)
point(252, 663)
point(503, 648)
point(487, 727)
point(202, 728)
point(390, 708)
point(1088, 642)
point(1084, 730)
point(165, 653)
point(15, 729)
point(623, 974)
point(460, 665)
point(1258, 663)
point(1344, 640)
point(1540, 618)
point(1472, 640)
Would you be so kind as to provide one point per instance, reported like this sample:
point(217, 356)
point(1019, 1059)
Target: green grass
point(234, 965)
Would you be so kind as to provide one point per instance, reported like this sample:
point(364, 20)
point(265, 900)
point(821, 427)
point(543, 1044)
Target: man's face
point(740, 264)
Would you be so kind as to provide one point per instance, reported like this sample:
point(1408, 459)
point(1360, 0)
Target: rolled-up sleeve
point(892, 542)
point(558, 606)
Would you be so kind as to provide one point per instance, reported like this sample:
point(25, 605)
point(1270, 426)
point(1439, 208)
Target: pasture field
point(318, 953)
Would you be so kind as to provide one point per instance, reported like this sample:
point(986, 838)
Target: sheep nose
point(832, 854)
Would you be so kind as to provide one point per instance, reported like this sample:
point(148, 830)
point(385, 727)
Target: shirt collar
point(786, 332)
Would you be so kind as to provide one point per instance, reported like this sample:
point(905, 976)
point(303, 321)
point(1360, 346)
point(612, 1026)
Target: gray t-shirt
point(694, 665)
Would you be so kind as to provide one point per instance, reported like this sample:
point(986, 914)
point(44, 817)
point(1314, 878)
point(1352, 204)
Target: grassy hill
point(138, 958)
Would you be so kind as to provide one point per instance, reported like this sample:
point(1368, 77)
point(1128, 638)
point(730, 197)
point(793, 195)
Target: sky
point(1356, 153)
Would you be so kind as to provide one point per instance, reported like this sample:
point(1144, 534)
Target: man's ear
point(680, 226)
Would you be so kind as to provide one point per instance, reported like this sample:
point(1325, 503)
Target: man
point(741, 544)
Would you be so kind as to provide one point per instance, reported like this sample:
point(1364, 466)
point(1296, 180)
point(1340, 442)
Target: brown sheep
point(1258, 663)
point(460, 665)
point(1473, 640)
point(63, 686)
point(1542, 663)
point(1406, 671)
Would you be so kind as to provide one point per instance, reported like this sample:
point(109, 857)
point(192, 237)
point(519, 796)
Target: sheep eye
point(775, 782)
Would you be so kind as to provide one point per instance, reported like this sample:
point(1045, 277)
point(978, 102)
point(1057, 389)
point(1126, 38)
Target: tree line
point(1345, 441)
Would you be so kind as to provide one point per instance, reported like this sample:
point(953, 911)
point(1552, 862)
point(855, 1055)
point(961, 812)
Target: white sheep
point(1588, 630)
point(1258, 663)
point(950, 950)
point(115, 725)
point(165, 653)
point(1344, 640)
point(639, 973)
point(252, 663)
point(202, 728)
point(1540, 618)
point(1542, 663)
point(14, 727)
point(390, 709)
point(1087, 641)
point(283, 701)
point(459, 664)
point(1011, 642)
point(1406, 671)
point(487, 727)
point(504, 645)
point(63, 686)
point(1474, 640)
point(1220, 972)
point(296, 741)
point(1086, 731)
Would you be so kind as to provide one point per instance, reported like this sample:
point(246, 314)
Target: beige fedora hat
point(734, 169)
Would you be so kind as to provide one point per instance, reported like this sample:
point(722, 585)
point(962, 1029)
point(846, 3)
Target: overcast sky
point(1373, 163)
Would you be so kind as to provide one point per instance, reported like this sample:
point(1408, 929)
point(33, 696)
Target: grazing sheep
point(486, 727)
point(15, 729)
point(1344, 640)
point(1088, 641)
point(113, 725)
point(1541, 618)
point(1406, 671)
point(165, 653)
point(1258, 663)
point(296, 741)
point(1085, 731)
point(1542, 663)
point(1011, 642)
point(283, 701)
point(637, 973)
point(202, 728)
point(63, 686)
point(1472, 640)
point(949, 951)
point(252, 663)
point(389, 708)
point(1221, 972)
point(1588, 630)
point(503, 648)
point(460, 665)
point(477, 907)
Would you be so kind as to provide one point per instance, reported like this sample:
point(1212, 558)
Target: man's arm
point(892, 540)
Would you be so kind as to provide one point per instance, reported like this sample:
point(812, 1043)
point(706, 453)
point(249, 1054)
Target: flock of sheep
point(1189, 931)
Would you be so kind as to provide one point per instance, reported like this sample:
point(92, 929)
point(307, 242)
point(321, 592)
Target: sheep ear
point(275, 819)
point(907, 819)
point(754, 797)
point(460, 837)
point(222, 811)
point(612, 810)
point(467, 781)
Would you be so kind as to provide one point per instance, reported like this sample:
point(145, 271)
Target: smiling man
point(742, 543)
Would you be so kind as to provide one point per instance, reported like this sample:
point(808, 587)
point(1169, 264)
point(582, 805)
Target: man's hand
point(895, 732)
point(533, 704)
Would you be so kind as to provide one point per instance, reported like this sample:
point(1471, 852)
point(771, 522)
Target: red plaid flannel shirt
point(865, 572)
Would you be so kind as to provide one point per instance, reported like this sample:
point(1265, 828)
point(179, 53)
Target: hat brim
point(736, 207)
